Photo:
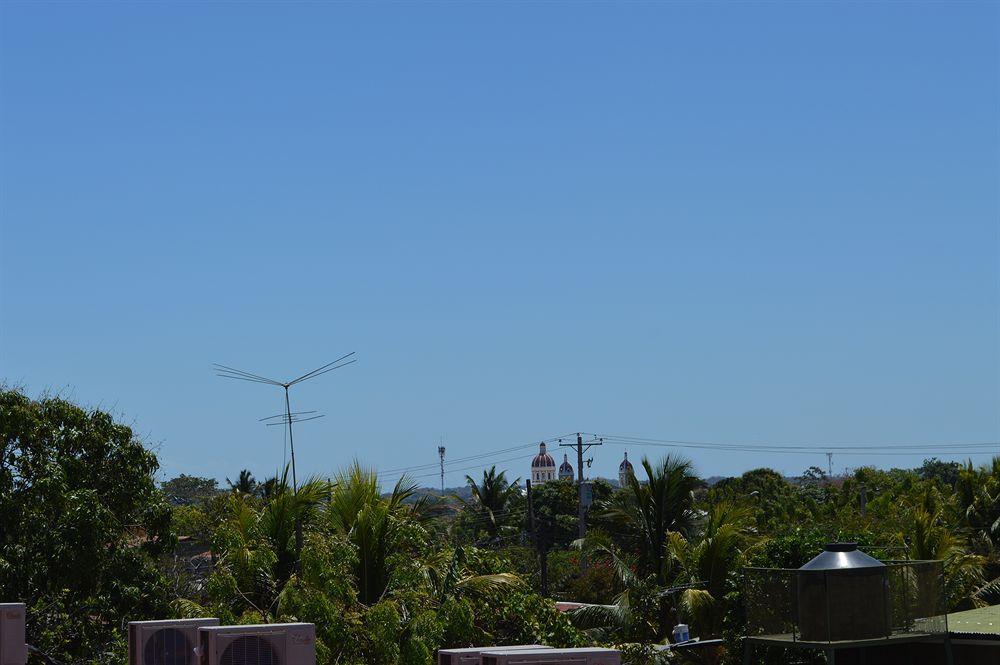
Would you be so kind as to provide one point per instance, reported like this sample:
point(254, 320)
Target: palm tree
point(448, 577)
point(696, 573)
point(709, 560)
point(490, 498)
point(930, 538)
point(646, 518)
point(634, 616)
point(978, 497)
point(647, 513)
point(257, 543)
point(246, 484)
point(373, 524)
point(284, 519)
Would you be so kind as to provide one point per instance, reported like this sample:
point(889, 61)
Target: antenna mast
point(287, 418)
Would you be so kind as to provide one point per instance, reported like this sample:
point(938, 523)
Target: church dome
point(565, 469)
point(542, 459)
point(625, 465)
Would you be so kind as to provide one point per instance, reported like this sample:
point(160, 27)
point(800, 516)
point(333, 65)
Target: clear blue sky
point(719, 222)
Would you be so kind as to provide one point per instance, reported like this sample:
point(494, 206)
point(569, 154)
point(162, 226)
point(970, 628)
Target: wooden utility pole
point(580, 449)
point(540, 546)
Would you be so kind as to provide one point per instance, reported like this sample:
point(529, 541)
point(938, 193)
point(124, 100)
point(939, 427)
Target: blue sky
point(772, 223)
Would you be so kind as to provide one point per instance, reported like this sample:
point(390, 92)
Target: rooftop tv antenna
point(288, 417)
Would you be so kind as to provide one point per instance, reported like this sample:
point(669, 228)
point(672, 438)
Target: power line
point(898, 453)
point(821, 447)
point(458, 460)
point(855, 449)
point(467, 468)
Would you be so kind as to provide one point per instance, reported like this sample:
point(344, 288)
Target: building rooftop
point(980, 621)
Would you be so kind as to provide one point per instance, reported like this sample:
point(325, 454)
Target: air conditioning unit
point(552, 657)
point(13, 650)
point(470, 655)
point(169, 642)
point(263, 644)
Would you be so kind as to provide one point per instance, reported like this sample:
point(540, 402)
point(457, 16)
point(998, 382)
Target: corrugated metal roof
point(980, 621)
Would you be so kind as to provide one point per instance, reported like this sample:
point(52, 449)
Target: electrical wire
point(853, 449)
point(429, 465)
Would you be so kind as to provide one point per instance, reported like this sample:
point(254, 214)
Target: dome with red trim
point(542, 459)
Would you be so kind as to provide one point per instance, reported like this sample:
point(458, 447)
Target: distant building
point(543, 467)
point(625, 471)
point(565, 470)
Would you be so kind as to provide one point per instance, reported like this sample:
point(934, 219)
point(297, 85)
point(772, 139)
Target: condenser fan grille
point(167, 646)
point(249, 650)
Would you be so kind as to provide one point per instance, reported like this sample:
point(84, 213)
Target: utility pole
point(829, 465)
point(441, 455)
point(580, 449)
point(540, 546)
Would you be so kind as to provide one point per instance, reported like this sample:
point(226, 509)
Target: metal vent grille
point(249, 650)
point(167, 646)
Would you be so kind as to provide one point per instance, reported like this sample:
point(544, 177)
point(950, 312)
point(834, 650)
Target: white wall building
point(543, 467)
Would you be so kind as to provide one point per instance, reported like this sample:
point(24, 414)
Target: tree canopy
point(81, 524)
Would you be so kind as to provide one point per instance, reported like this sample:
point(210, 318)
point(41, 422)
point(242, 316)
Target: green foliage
point(556, 506)
point(186, 489)
point(522, 617)
point(945, 474)
point(81, 522)
point(390, 579)
point(490, 512)
point(643, 654)
point(245, 483)
point(775, 501)
point(712, 561)
point(643, 515)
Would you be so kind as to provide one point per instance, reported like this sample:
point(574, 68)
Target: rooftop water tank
point(843, 594)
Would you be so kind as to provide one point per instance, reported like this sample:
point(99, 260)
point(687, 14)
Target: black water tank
point(843, 595)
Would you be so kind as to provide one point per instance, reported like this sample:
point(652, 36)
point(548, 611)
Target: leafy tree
point(518, 616)
point(186, 489)
point(81, 522)
point(943, 473)
point(556, 506)
point(637, 613)
point(776, 502)
point(814, 474)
